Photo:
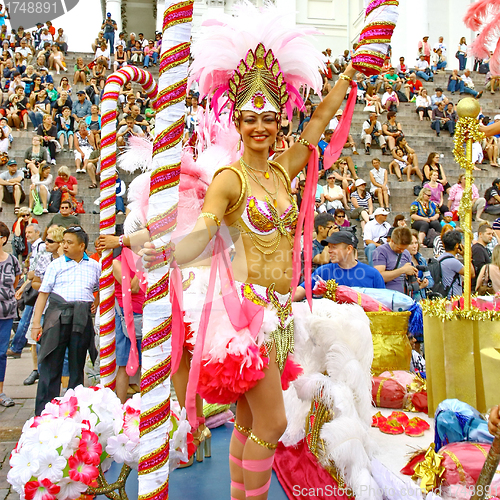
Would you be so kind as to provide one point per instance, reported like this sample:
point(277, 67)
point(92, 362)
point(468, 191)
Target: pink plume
point(478, 13)
point(495, 60)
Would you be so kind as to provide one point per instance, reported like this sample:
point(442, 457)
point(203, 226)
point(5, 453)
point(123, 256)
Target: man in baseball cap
point(344, 267)
point(375, 232)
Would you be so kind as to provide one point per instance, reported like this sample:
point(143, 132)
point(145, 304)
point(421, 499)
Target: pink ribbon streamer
point(178, 329)
point(306, 224)
point(129, 260)
point(334, 149)
point(246, 315)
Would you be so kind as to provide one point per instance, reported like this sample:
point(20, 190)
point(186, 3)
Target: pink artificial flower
point(46, 417)
point(69, 408)
point(41, 490)
point(131, 423)
point(89, 448)
point(80, 471)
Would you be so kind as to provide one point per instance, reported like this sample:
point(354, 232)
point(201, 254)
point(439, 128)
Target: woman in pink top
point(455, 196)
point(436, 188)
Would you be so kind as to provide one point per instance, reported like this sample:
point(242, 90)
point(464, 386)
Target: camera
point(422, 268)
point(412, 284)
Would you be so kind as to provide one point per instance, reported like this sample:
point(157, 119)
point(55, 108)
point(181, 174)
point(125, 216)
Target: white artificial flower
point(24, 465)
point(133, 454)
point(117, 448)
point(70, 489)
point(51, 466)
point(60, 432)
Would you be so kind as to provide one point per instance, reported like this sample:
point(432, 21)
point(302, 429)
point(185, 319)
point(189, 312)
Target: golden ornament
point(468, 108)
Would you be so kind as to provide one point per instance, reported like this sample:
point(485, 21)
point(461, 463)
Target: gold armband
point(345, 77)
point(306, 143)
point(208, 215)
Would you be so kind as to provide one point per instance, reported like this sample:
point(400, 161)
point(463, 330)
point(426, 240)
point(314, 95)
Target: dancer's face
point(258, 131)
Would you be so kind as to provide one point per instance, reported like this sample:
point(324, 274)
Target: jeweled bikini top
point(261, 219)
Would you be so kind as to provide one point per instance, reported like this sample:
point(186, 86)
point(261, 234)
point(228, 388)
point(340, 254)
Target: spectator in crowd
point(448, 219)
point(52, 94)
point(102, 56)
point(431, 164)
point(64, 86)
point(455, 196)
point(150, 52)
point(130, 44)
point(392, 79)
point(423, 105)
point(99, 73)
point(83, 149)
point(93, 122)
point(64, 218)
point(40, 108)
point(63, 101)
point(424, 281)
point(11, 186)
point(65, 128)
point(492, 271)
point(423, 69)
point(4, 137)
point(70, 283)
point(440, 45)
point(375, 232)
point(424, 49)
point(24, 218)
point(361, 203)
point(81, 71)
point(120, 58)
point(137, 54)
point(436, 189)
point(22, 106)
point(68, 186)
point(81, 108)
point(373, 101)
point(48, 131)
point(393, 260)
point(93, 92)
point(441, 120)
point(335, 196)
point(35, 156)
point(343, 267)
point(341, 219)
point(379, 184)
point(52, 251)
point(390, 100)
point(492, 197)
point(438, 97)
point(399, 221)
point(451, 268)
point(402, 69)
point(109, 27)
point(405, 160)
point(10, 272)
point(323, 225)
point(121, 42)
point(412, 86)
point(392, 130)
point(127, 130)
point(137, 297)
point(481, 256)
point(437, 245)
point(467, 85)
point(51, 29)
point(37, 246)
point(438, 61)
point(372, 131)
point(424, 215)
point(342, 170)
point(41, 183)
point(61, 40)
point(56, 60)
point(138, 118)
point(462, 53)
point(490, 147)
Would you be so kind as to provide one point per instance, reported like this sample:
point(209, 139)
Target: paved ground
point(12, 419)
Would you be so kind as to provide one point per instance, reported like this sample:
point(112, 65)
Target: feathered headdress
point(256, 61)
point(484, 16)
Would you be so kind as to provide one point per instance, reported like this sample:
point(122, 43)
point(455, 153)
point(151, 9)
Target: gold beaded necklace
point(272, 196)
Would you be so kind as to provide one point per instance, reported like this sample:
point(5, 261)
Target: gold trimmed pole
point(466, 133)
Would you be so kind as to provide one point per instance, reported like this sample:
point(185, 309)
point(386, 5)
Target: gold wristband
point(208, 215)
point(305, 143)
point(345, 77)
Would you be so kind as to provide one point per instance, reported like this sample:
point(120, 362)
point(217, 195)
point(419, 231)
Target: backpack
point(55, 201)
point(432, 234)
point(439, 290)
point(37, 204)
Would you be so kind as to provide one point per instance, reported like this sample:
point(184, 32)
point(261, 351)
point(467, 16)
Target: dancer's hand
point(494, 421)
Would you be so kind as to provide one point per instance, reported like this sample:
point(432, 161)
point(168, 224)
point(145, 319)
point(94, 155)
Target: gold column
point(467, 227)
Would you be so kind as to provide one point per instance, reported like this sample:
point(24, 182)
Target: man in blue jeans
point(109, 27)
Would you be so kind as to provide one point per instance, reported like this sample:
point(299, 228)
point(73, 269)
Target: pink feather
point(478, 13)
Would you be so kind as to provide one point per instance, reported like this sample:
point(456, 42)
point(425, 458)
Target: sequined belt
point(283, 336)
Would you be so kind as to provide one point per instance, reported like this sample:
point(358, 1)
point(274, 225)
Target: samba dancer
point(253, 195)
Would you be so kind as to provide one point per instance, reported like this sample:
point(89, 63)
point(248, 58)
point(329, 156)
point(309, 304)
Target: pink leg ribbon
point(259, 491)
point(178, 330)
point(235, 460)
point(258, 465)
point(240, 436)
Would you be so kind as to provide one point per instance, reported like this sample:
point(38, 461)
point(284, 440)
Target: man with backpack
point(450, 283)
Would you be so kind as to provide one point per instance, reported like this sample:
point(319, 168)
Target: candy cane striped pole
point(108, 205)
point(162, 216)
